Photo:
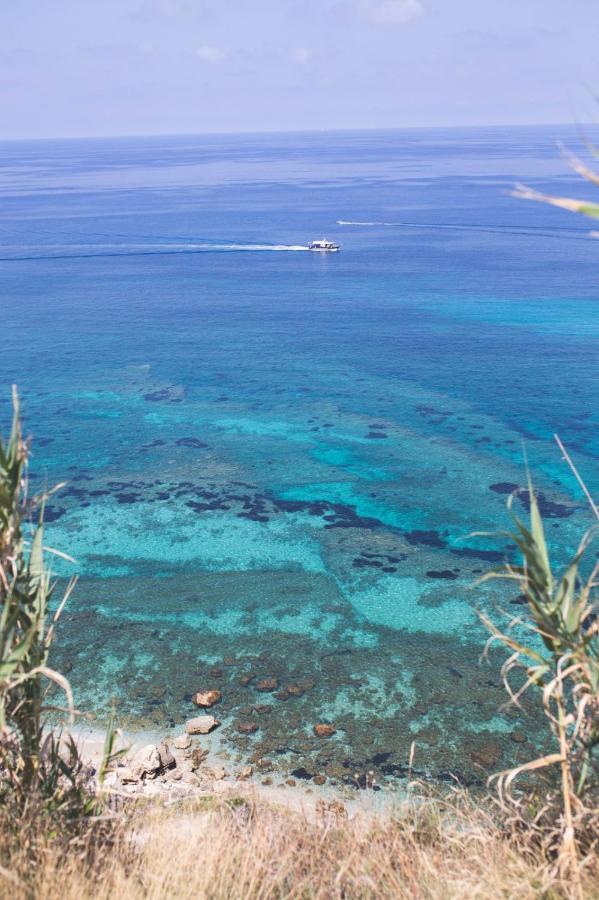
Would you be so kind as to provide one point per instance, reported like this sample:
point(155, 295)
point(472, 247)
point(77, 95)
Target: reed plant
point(44, 783)
point(585, 207)
point(553, 649)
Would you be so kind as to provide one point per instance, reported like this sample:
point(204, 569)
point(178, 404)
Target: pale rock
point(166, 757)
point(126, 775)
point(197, 757)
point(182, 742)
point(191, 778)
point(201, 725)
point(216, 774)
point(206, 698)
point(131, 788)
point(146, 761)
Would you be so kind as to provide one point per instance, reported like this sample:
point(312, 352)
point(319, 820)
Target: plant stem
point(576, 474)
point(568, 849)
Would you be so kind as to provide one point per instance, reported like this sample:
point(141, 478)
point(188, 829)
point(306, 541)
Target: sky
point(79, 68)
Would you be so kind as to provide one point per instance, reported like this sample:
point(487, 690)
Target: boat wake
point(529, 231)
point(86, 251)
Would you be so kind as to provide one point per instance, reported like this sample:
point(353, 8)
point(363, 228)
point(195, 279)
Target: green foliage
point(26, 629)
point(45, 786)
point(555, 648)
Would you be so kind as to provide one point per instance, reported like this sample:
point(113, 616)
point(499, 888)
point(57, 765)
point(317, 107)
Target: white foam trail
point(250, 247)
point(343, 222)
point(528, 231)
point(83, 251)
point(191, 247)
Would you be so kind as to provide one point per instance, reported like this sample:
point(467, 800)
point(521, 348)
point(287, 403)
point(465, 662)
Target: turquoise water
point(275, 458)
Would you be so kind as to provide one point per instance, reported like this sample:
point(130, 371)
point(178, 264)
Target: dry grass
point(258, 851)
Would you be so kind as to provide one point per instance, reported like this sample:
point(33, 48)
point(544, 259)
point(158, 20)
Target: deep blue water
point(277, 456)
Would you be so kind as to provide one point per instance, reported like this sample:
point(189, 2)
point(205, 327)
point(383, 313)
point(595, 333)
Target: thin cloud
point(301, 55)
point(398, 11)
point(210, 54)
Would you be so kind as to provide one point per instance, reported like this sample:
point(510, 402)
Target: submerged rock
point(297, 689)
point(247, 727)
point(488, 755)
point(182, 742)
point(324, 730)
point(267, 685)
point(201, 725)
point(206, 699)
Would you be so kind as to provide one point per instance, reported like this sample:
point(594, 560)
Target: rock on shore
point(201, 725)
point(156, 770)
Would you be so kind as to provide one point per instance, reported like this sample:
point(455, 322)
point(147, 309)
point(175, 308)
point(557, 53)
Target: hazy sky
point(108, 67)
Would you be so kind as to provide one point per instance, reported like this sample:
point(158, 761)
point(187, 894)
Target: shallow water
point(275, 458)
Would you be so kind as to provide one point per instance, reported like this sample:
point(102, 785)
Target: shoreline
point(232, 779)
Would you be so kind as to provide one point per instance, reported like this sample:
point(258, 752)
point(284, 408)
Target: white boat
point(324, 245)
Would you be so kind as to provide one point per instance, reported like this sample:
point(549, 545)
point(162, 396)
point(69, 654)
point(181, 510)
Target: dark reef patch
point(191, 442)
point(53, 513)
point(426, 538)
point(549, 509)
point(472, 553)
point(504, 487)
point(151, 445)
point(442, 573)
point(302, 773)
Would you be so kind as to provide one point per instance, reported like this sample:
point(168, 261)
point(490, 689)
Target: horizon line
point(289, 131)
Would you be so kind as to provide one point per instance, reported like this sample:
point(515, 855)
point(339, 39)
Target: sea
point(286, 471)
